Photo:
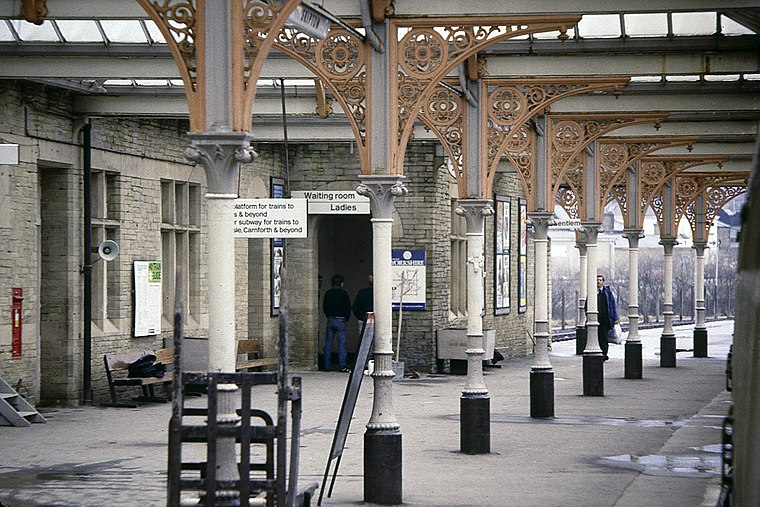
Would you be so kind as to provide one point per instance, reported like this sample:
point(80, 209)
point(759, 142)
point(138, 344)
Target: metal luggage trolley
point(260, 440)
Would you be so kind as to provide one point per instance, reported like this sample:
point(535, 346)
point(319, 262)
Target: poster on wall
point(522, 266)
point(277, 253)
point(408, 270)
point(147, 298)
point(502, 246)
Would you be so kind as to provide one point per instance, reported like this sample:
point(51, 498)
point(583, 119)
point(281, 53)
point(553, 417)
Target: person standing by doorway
point(608, 314)
point(337, 308)
point(363, 304)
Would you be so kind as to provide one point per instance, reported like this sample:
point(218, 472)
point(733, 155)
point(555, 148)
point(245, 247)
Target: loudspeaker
point(108, 250)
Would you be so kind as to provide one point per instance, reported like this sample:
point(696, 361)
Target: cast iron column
point(382, 440)
point(633, 357)
point(541, 373)
point(221, 153)
point(593, 359)
point(580, 318)
point(700, 330)
point(475, 403)
point(668, 338)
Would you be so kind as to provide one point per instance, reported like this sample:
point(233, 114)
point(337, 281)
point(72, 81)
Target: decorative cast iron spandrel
point(567, 200)
point(511, 104)
point(714, 187)
point(340, 61)
point(445, 116)
point(428, 49)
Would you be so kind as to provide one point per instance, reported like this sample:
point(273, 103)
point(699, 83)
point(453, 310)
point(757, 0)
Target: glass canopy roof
point(622, 26)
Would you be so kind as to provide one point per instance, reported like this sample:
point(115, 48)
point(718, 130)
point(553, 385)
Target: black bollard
point(382, 467)
point(541, 394)
point(668, 351)
point(700, 342)
point(593, 374)
point(633, 361)
point(475, 424)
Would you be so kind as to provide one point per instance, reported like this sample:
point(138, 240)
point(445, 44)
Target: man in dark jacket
point(363, 304)
point(337, 308)
point(608, 314)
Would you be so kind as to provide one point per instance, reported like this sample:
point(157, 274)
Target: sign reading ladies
point(270, 218)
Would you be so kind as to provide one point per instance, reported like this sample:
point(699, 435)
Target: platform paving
point(653, 441)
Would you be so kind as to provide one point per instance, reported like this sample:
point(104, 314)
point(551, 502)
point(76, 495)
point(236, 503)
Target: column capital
point(540, 222)
point(668, 242)
point(382, 189)
point(700, 247)
point(591, 230)
point(474, 212)
point(633, 236)
point(221, 153)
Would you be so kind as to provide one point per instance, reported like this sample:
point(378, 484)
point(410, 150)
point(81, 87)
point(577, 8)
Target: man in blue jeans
point(337, 308)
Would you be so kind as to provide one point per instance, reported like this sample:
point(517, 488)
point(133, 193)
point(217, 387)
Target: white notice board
point(148, 298)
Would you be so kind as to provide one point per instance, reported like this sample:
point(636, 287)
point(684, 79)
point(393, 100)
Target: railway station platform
point(653, 441)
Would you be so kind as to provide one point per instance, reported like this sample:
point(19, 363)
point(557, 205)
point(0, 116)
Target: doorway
point(345, 247)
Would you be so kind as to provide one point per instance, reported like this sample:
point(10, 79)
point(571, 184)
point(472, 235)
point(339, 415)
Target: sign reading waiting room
point(334, 202)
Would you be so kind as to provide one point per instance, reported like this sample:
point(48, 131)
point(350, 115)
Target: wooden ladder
point(15, 410)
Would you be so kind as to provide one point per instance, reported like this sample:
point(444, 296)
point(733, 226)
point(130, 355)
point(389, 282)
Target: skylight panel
point(599, 26)
point(6, 35)
point(554, 34)
point(646, 79)
point(154, 32)
point(152, 82)
point(84, 30)
point(118, 82)
point(29, 32)
point(730, 27)
point(124, 31)
point(688, 78)
point(694, 23)
point(646, 25)
point(721, 77)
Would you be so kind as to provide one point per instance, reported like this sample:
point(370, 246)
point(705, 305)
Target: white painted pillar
point(382, 439)
point(593, 359)
point(580, 317)
point(475, 403)
point(668, 338)
point(221, 152)
point(633, 348)
point(700, 329)
point(541, 372)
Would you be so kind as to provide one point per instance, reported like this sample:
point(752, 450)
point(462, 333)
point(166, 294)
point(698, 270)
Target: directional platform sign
point(270, 218)
point(334, 202)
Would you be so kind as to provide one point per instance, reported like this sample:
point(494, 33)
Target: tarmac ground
point(651, 441)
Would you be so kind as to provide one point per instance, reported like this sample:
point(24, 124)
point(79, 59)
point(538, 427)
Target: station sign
point(270, 218)
point(306, 19)
point(574, 223)
point(334, 202)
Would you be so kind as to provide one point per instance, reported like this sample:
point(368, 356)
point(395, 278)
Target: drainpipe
point(87, 266)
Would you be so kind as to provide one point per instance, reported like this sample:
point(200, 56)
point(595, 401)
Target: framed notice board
point(148, 297)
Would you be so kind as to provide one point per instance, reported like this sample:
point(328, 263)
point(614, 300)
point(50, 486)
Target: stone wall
point(41, 237)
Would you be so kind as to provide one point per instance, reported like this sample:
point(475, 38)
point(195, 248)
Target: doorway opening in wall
point(54, 243)
point(345, 248)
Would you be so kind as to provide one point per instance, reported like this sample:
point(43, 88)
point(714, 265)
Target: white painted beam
point(740, 62)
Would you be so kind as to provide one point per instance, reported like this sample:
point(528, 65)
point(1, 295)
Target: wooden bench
point(117, 373)
point(248, 356)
